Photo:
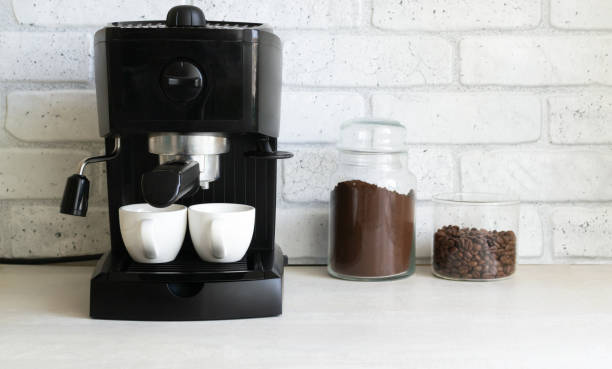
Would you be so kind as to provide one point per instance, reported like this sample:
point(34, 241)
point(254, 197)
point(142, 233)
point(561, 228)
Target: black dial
point(185, 16)
point(182, 81)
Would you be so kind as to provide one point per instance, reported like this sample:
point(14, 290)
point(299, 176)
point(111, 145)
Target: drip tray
point(187, 267)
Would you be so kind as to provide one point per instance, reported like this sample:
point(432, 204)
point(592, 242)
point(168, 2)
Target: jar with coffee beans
point(371, 231)
point(475, 236)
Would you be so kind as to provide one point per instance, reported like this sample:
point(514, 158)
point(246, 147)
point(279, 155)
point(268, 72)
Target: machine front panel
point(176, 80)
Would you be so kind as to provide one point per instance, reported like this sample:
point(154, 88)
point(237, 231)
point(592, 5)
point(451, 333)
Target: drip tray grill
point(187, 267)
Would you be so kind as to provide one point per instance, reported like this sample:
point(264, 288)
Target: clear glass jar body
point(475, 236)
point(372, 230)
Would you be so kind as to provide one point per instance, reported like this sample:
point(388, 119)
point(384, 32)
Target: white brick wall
point(57, 115)
point(496, 95)
point(540, 175)
point(460, 118)
point(535, 61)
point(316, 116)
point(320, 59)
point(38, 56)
point(32, 173)
point(309, 245)
point(40, 231)
point(287, 13)
point(581, 119)
point(582, 232)
point(79, 12)
point(439, 15)
point(531, 236)
point(581, 14)
point(306, 177)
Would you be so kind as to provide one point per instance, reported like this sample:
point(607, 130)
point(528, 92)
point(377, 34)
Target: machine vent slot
point(188, 267)
point(209, 25)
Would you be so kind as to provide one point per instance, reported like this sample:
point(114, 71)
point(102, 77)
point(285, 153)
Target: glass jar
point(475, 236)
point(372, 231)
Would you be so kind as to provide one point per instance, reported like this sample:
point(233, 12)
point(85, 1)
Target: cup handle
point(216, 235)
point(147, 239)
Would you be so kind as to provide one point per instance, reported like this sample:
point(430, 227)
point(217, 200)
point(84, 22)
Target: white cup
point(221, 232)
point(153, 235)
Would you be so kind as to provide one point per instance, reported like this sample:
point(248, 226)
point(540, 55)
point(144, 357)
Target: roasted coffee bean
point(470, 253)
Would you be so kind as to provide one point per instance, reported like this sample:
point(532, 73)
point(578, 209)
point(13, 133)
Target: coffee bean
point(470, 253)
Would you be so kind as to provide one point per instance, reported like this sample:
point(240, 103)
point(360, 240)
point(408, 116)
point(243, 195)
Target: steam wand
point(76, 192)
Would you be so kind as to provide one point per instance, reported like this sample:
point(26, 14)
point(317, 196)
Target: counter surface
point(548, 316)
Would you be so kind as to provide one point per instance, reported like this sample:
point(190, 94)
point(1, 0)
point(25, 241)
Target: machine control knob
point(182, 81)
point(185, 16)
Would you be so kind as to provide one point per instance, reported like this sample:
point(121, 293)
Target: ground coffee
point(371, 230)
point(470, 253)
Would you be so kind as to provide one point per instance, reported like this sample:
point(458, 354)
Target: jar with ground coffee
point(475, 236)
point(372, 233)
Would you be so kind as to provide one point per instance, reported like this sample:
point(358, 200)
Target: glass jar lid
point(372, 135)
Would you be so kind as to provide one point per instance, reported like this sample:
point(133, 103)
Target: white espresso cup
point(221, 232)
point(153, 235)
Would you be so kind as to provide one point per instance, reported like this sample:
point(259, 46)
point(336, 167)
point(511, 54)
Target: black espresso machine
point(190, 112)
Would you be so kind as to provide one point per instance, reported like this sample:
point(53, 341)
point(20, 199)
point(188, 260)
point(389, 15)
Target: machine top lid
point(185, 17)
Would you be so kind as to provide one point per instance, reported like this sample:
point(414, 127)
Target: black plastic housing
point(240, 64)
point(240, 69)
point(252, 287)
point(186, 289)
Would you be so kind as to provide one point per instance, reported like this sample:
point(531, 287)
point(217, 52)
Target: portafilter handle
point(170, 182)
point(76, 192)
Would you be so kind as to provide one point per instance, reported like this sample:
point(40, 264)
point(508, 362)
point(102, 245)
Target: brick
point(423, 217)
point(53, 115)
point(580, 118)
point(37, 173)
point(287, 13)
point(530, 241)
point(312, 117)
point(460, 118)
point(89, 12)
point(307, 176)
point(540, 175)
point(554, 60)
point(439, 15)
point(434, 169)
point(37, 56)
point(36, 231)
point(581, 14)
point(582, 232)
point(302, 233)
point(315, 59)
point(7, 17)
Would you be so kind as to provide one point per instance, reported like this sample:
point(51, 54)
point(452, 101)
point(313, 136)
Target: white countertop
point(545, 317)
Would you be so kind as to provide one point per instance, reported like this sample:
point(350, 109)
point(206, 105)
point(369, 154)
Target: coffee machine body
point(196, 91)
